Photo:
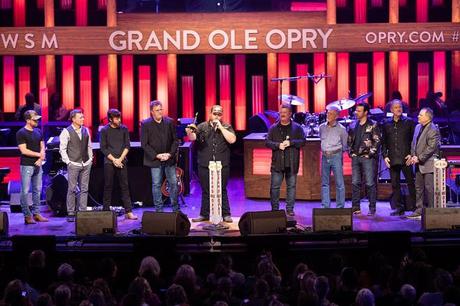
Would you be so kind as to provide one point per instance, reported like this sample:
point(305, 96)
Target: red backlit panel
point(12, 163)
point(403, 74)
point(343, 78)
point(103, 86)
point(68, 90)
point(162, 81)
point(40, 4)
point(258, 94)
point(422, 10)
point(24, 82)
point(81, 12)
point(341, 3)
point(262, 159)
point(439, 73)
point(86, 100)
point(19, 12)
point(240, 92)
point(360, 11)
point(283, 71)
point(361, 78)
point(144, 92)
point(9, 96)
point(102, 4)
point(127, 91)
point(379, 88)
point(66, 4)
point(302, 86)
point(423, 80)
point(225, 92)
point(6, 4)
point(187, 96)
point(319, 60)
point(43, 100)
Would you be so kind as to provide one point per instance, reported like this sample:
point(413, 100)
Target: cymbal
point(363, 97)
point(341, 104)
point(291, 99)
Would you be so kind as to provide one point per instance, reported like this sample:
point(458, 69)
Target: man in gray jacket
point(76, 152)
point(424, 149)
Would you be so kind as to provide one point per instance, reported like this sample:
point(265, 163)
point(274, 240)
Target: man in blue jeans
point(32, 148)
point(333, 137)
point(285, 138)
point(159, 141)
point(363, 142)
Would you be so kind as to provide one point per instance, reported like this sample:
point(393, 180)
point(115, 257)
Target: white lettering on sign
point(10, 40)
point(415, 37)
point(134, 40)
point(49, 43)
point(277, 39)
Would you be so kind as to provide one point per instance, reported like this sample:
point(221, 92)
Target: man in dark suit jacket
point(425, 147)
point(159, 141)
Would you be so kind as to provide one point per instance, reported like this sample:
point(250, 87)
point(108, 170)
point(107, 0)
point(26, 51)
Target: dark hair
point(155, 103)
point(113, 113)
point(396, 95)
point(74, 112)
point(30, 98)
point(287, 106)
point(365, 105)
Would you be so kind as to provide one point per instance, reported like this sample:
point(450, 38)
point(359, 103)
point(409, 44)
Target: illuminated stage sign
point(229, 33)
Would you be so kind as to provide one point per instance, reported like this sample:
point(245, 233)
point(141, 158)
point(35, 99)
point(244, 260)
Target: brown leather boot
point(29, 220)
point(130, 216)
point(40, 218)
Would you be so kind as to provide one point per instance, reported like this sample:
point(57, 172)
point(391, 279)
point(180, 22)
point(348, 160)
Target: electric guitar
point(180, 183)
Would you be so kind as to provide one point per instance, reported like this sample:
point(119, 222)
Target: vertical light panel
point(101, 4)
point(439, 73)
point(172, 85)
point(9, 91)
point(302, 86)
point(283, 72)
point(42, 87)
point(403, 75)
point(225, 92)
point(187, 96)
point(361, 78)
point(379, 88)
point(210, 84)
point(144, 92)
point(360, 11)
point(86, 98)
point(103, 86)
point(127, 90)
point(162, 81)
point(258, 95)
point(6, 4)
point(272, 72)
point(81, 12)
point(343, 75)
point(421, 10)
point(41, 4)
point(341, 3)
point(240, 92)
point(19, 13)
point(68, 89)
point(66, 4)
point(24, 82)
point(423, 80)
point(319, 62)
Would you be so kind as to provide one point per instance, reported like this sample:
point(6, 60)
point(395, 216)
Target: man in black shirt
point(115, 146)
point(213, 139)
point(32, 147)
point(363, 143)
point(397, 134)
point(159, 141)
point(285, 138)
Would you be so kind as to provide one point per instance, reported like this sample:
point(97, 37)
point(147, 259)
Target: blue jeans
point(275, 186)
point(361, 165)
point(157, 180)
point(335, 163)
point(31, 174)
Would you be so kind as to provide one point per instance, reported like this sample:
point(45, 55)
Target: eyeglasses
point(217, 114)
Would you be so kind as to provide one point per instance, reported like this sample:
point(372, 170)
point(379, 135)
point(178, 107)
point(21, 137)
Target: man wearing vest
point(76, 152)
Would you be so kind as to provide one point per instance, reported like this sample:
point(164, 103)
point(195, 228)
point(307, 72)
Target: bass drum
point(56, 195)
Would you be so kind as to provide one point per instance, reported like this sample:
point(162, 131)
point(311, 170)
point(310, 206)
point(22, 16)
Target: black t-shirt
point(285, 130)
point(114, 141)
point(212, 145)
point(32, 140)
point(359, 130)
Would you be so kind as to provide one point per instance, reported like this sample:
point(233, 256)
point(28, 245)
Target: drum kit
point(310, 121)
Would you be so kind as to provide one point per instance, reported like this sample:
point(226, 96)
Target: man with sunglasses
point(32, 148)
point(213, 139)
